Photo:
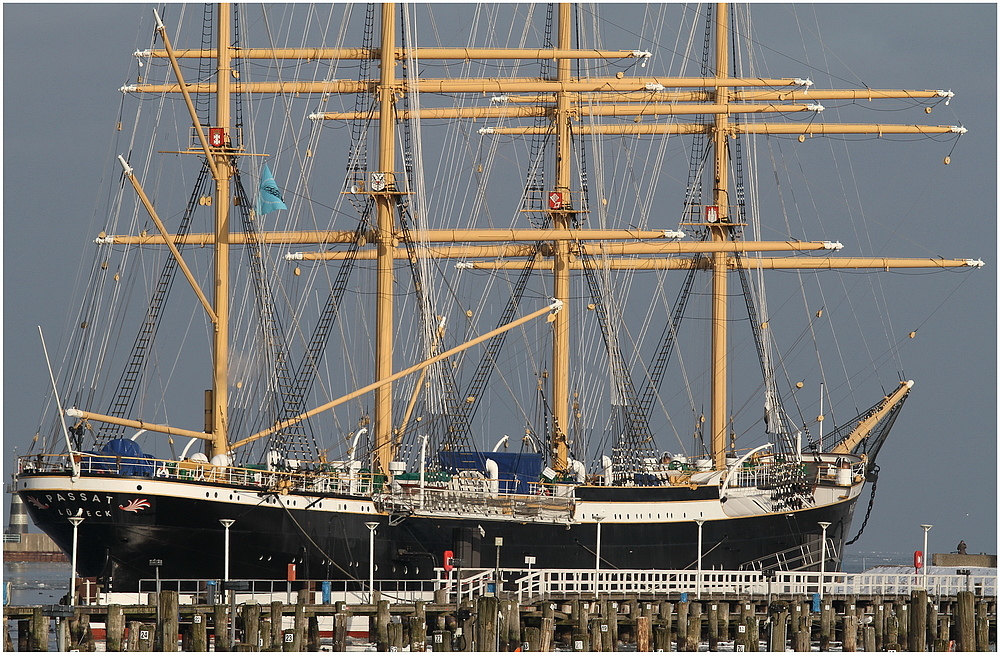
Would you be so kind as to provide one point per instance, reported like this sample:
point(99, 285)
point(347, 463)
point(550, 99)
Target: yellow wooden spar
point(865, 426)
point(564, 99)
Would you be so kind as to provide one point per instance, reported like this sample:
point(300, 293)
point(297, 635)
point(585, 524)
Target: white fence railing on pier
point(531, 585)
point(566, 583)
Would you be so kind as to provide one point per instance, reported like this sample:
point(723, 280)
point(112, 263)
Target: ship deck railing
point(478, 496)
point(479, 500)
point(765, 474)
point(309, 481)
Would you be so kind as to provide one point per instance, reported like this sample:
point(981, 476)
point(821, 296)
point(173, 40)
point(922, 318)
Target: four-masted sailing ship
point(356, 320)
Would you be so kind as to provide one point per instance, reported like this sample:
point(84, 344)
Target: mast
point(720, 268)
point(384, 446)
point(560, 268)
point(571, 97)
point(217, 405)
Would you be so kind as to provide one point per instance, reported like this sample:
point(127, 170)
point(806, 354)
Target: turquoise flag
point(268, 194)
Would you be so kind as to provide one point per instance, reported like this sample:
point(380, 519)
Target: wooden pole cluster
point(914, 623)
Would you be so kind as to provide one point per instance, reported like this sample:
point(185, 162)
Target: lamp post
point(76, 521)
point(597, 562)
point(926, 528)
point(371, 560)
point(156, 564)
point(700, 522)
point(226, 523)
point(498, 541)
point(822, 563)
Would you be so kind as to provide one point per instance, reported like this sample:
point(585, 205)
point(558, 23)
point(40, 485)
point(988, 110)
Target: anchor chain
point(873, 476)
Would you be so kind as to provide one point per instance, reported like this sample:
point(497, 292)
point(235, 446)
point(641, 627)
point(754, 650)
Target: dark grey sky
point(63, 64)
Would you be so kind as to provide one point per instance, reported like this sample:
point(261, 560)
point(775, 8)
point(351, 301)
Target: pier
point(542, 611)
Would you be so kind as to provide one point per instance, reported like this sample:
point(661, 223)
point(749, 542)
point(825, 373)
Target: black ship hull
point(128, 522)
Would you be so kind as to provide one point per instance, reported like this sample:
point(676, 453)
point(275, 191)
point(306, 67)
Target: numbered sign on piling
point(438, 639)
point(197, 618)
point(578, 644)
point(144, 635)
point(289, 637)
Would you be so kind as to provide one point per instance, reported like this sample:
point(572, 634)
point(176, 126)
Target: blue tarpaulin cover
point(139, 463)
point(517, 470)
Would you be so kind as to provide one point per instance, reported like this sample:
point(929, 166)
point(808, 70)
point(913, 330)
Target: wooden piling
point(512, 615)
point(878, 622)
point(667, 620)
point(694, 628)
point(683, 607)
point(23, 635)
point(487, 609)
point(169, 621)
point(381, 636)
point(965, 621)
point(301, 624)
point(80, 637)
point(778, 613)
point(198, 642)
point(288, 641)
point(982, 627)
point(932, 624)
point(801, 639)
point(546, 639)
point(312, 640)
point(396, 638)
point(441, 642)
point(826, 615)
point(39, 634)
point(890, 640)
point(752, 633)
point(713, 626)
point(277, 629)
point(532, 637)
point(643, 637)
point(418, 634)
point(917, 621)
point(612, 606)
point(661, 639)
point(944, 632)
point(147, 637)
point(903, 613)
point(869, 639)
point(114, 629)
point(794, 618)
point(850, 638)
point(220, 619)
point(250, 615)
point(596, 636)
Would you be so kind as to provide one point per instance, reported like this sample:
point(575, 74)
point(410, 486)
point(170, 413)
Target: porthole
point(138, 487)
